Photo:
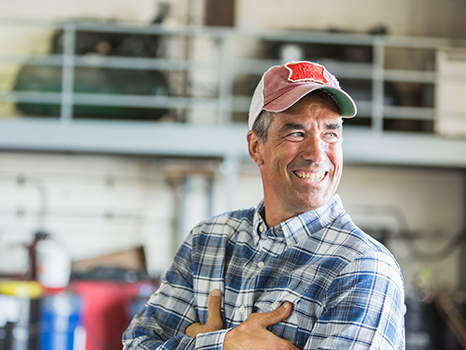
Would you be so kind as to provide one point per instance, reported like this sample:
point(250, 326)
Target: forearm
point(138, 336)
point(148, 331)
point(161, 323)
point(140, 340)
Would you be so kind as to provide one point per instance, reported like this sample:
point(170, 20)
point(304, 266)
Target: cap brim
point(345, 103)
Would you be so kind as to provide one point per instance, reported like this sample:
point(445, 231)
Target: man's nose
point(314, 149)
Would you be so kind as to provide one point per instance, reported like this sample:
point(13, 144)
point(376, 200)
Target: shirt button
point(261, 228)
point(260, 264)
point(242, 309)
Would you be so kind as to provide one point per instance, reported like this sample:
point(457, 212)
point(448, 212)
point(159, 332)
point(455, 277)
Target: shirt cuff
point(211, 341)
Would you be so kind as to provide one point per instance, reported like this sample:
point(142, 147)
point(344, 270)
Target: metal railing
point(226, 62)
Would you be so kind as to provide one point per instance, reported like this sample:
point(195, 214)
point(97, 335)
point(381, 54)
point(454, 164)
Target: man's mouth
point(310, 177)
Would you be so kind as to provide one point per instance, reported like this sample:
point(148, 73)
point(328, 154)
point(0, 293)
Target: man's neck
point(273, 219)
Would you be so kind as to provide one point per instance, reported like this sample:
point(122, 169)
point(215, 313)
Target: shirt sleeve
point(364, 307)
point(162, 322)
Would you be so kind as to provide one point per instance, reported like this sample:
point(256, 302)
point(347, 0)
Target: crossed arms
point(251, 334)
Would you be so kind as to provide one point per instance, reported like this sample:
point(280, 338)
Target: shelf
point(218, 141)
point(133, 138)
point(407, 149)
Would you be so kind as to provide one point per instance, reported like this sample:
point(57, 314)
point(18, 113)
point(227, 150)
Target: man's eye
point(331, 136)
point(297, 134)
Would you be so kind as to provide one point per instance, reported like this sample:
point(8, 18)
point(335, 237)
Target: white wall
point(428, 202)
point(437, 18)
point(94, 205)
point(139, 11)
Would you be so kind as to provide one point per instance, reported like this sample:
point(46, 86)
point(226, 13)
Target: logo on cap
point(306, 71)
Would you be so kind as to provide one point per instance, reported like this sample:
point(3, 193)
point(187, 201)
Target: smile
point(310, 177)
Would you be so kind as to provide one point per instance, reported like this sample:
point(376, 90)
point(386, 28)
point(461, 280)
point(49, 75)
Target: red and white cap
point(283, 86)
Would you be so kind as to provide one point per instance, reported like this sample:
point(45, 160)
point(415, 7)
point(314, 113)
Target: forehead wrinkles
point(313, 103)
point(287, 123)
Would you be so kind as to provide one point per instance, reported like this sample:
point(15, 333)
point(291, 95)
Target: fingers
point(275, 316)
point(194, 329)
point(255, 322)
point(215, 302)
point(214, 306)
point(214, 318)
point(253, 333)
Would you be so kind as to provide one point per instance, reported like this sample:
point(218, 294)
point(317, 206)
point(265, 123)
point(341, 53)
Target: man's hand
point(253, 334)
point(214, 320)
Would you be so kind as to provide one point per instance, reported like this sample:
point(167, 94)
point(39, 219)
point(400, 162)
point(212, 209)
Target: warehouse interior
point(123, 124)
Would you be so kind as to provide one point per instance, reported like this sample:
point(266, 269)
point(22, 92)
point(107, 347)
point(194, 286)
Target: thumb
point(277, 315)
point(214, 306)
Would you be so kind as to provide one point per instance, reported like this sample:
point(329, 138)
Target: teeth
point(311, 177)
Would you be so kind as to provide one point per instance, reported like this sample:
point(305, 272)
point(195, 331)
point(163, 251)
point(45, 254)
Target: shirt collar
point(258, 225)
point(304, 224)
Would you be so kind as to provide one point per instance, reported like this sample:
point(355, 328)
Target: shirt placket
point(245, 301)
point(261, 261)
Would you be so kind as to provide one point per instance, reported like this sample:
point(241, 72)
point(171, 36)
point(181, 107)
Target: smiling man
point(294, 272)
point(301, 161)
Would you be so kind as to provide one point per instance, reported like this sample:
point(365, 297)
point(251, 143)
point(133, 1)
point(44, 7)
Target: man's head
point(296, 141)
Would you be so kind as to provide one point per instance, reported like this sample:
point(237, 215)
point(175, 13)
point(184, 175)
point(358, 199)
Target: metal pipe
point(69, 40)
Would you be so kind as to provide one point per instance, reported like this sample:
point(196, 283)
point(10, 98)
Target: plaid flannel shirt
point(346, 288)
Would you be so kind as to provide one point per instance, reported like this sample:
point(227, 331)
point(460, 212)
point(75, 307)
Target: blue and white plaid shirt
point(346, 288)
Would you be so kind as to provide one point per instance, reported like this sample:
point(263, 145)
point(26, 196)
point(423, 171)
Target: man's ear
point(255, 148)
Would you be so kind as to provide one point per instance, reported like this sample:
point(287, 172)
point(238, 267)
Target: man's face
point(301, 161)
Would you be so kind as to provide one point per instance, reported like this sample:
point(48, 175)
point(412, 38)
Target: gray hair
point(261, 125)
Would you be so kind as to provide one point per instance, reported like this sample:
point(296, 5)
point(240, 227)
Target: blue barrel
point(60, 323)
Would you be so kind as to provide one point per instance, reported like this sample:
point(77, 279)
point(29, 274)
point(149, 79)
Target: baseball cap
point(282, 86)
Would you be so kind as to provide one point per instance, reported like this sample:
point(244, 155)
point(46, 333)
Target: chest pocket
point(296, 328)
point(272, 299)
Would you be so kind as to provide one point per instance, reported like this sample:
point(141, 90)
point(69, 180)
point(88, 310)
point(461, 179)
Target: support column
point(462, 269)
